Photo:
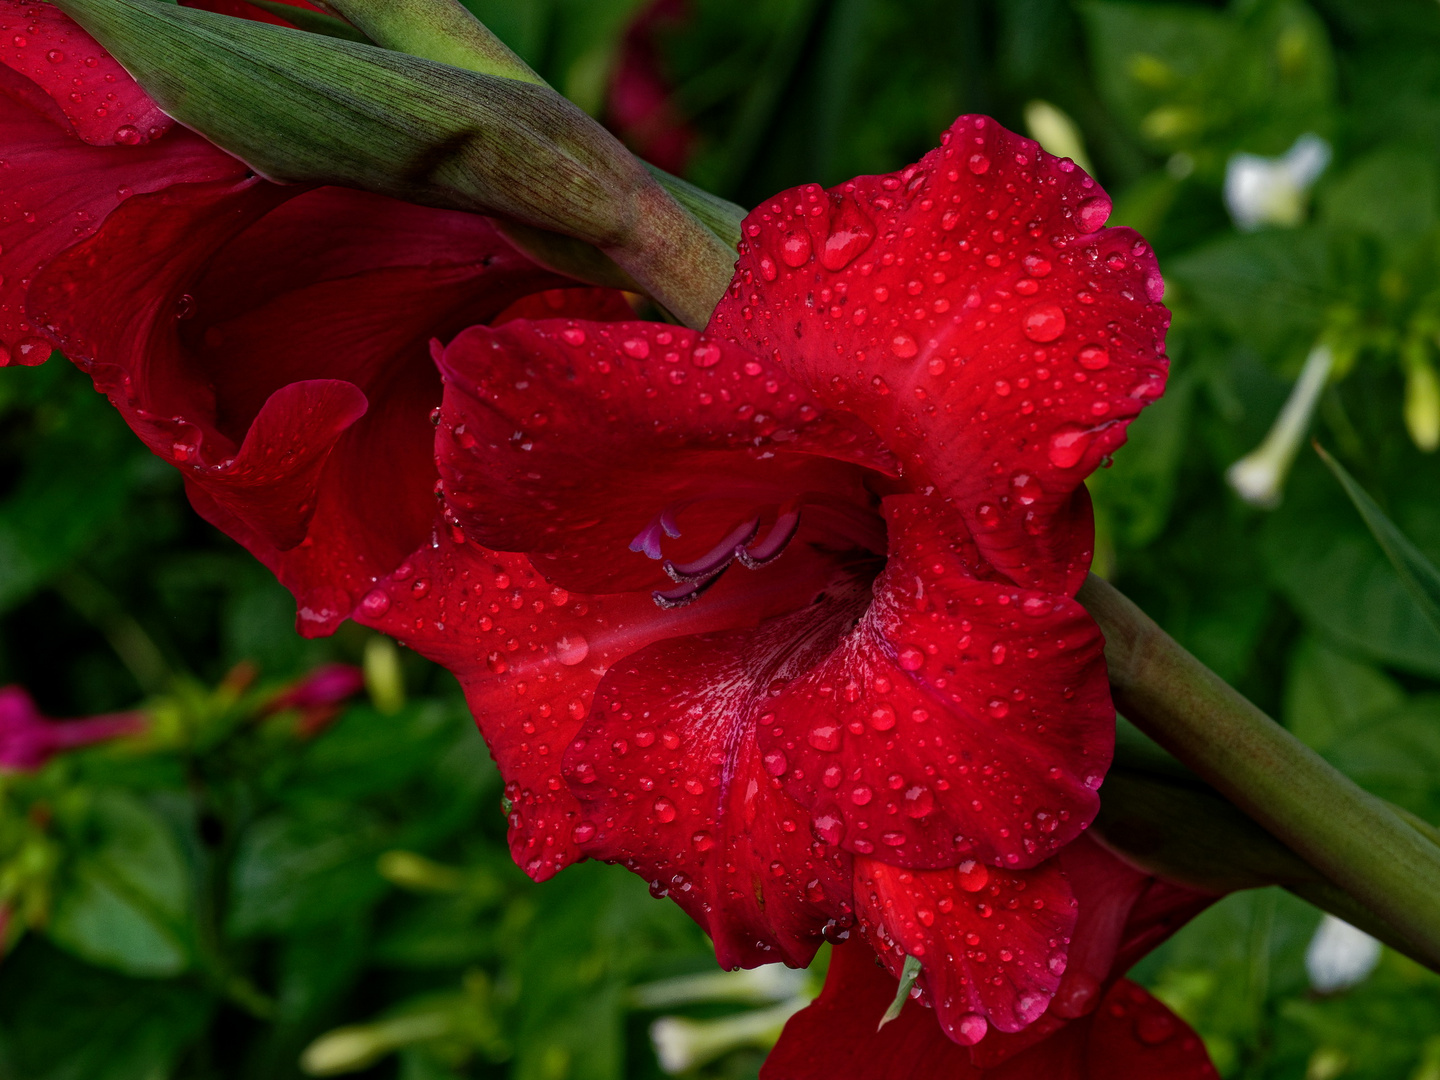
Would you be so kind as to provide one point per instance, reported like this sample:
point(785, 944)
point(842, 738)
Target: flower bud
point(1274, 191)
point(759, 985)
point(1340, 956)
point(1259, 477)
point(1422, 399)
point(307, 108)
point(353, 1048)
point(1057, 133)
point(682, 1044)
point(383, 677)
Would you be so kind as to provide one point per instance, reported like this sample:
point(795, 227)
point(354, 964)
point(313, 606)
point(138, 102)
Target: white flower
point(1259, 477)
point(682, 1044)
point(1273, 191)
point(1340, 956)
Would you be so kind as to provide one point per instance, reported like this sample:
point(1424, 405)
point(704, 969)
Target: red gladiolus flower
point(28, 739)
point(269, 341)
point(781, 612)
point(1099, 1026)
point(779, 615)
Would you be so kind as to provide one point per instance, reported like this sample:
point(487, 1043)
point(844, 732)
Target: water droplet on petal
point(572, 649)
point(972, 876)
point(795, 249)
point(1068, 446)
point(637, 347)
point(1044, 322)
point(979, 164)
point(375, 604)
point(583, 832)
point(850, 235)
point(1093, 358)
point(664, 810)
point(1093, 213)
point(910, 658)
point(573, 336)
point(825, 737)
point(1036, 265)
point(903, 346)
point(705, 355)
point(775, 762)
point(919, 801)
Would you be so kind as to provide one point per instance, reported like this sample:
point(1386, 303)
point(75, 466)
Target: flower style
point(28, 740)
point(779, 615)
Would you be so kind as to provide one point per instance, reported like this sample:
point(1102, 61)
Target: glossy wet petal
point(228, 303)
point(567, 439)
point(991, 942)
point(97, 97)
point(973, 310)
point(961, 718)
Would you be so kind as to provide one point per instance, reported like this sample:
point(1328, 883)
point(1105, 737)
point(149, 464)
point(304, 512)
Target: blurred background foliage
point(209, 900)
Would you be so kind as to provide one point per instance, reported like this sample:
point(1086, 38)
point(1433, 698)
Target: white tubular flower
point(1259, 477)
point(1053, 129)
point(682, 1044)
point(1340, 956)
point(1273, 191)
point(753, 986)
point(351, 1049)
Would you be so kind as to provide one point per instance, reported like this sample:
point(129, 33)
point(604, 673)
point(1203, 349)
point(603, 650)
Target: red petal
point(241, 10)
point(969, 308)
point(237, 313)
point(59, 190)
point(961, 718)
point(529, 656)
point(835, 1037)
point(674, 786)
point(565, 440)
point(102, 102)
point(991, 942)
point(1132, 1037)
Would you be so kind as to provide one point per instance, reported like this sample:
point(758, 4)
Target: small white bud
point(1259, 477)
point(682, 1044)
point(1057, 133)
point(1340, 956)
point(750, 986)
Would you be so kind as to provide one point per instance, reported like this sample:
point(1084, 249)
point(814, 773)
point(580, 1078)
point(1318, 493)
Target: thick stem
point(1350, 836)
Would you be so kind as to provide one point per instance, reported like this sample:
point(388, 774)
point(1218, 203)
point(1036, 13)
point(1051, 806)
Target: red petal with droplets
point(836, 1036)
point(529, 656)
point(675, 785)
point(103, 104)
point(566, 439)
point(1131, 1037)
point(991, 942)
point(58, 191)
point(962, 718)
point(971, 309)
point(241, 10)
point(221, 323)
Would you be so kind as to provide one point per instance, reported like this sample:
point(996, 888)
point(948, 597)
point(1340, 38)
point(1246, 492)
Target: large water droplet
point(972, 875)
point(664, 810)
point(572, 649)
point(1068, 446)
point(1093, 213)
point(375, 604)
point(1044, 322)
point(1093, 358)
point(795, 249)
point(850, 234)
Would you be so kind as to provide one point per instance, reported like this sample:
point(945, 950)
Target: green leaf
point(1419, 574)
point(1329, 695)
point(126, 901)
point(63, 1020)
point(908, 974)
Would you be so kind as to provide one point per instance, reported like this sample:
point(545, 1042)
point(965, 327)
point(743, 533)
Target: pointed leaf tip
point(908, 974)
point(1418, 573)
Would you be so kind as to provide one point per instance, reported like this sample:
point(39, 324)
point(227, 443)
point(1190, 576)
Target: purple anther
point(775, 542)
point(717, 558)
point(648, 539)
point(667, 521)
point(687, 592)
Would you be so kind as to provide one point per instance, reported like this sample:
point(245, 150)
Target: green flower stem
point(445, 31)
point(1355, 839)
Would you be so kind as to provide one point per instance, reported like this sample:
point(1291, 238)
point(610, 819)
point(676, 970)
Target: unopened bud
point(383, 677)
point(351, 1049)
point(1259, 477)
point(1422, 400)
point(307, 108)
point(682, 1044)
point(419, 874)
point(769, 982)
